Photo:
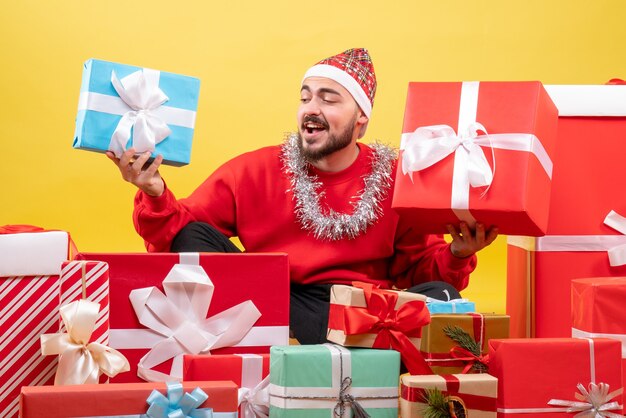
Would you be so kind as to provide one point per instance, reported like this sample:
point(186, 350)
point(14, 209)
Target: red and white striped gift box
point(31, 261)
point(87, 280)
point(30, 307)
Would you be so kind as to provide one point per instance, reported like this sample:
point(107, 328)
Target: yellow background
point(250, 57)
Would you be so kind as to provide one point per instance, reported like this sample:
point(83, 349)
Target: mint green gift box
point(315, 381)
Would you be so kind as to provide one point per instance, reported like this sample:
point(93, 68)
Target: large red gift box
point(262, 279)
point(532, 372)
point(598, 310)
point(124, 399)
point(438, 167)
point(30, 263)
point(588, 184)
point(248, 371)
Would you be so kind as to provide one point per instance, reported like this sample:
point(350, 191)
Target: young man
point(321, 197)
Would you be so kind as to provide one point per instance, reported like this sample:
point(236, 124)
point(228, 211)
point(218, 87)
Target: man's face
point(328, 118)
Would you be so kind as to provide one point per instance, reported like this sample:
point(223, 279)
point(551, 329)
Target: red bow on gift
point(469, 358)
point(393, 327)
point(16, 229)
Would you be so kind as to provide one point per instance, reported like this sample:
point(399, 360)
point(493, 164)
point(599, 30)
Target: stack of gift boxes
point(157, 335)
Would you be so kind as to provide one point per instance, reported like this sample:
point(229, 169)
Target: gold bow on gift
point(79, 360)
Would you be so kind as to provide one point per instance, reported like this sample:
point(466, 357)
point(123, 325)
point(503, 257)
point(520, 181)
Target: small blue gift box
point(122, 106)
point(454, 306)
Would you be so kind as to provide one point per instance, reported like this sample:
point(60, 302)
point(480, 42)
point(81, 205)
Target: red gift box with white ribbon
point(586, 235)
point(477, 151)
point(249, 372)
point(164, 305)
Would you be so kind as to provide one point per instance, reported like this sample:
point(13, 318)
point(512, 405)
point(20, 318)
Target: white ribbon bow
point(430, 144)
point(617, 255)
point(79, 360)
point(180, 317)
point(593, 403)
point(255, 402)
point(140, 91)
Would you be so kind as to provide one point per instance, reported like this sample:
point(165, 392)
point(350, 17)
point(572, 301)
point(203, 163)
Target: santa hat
point(353, 69)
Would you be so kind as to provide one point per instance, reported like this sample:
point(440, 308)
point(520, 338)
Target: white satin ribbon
point(431, 144)
point(577, 333)
point(255, 401)
point(131, 338)
point(140, 91)
point(179, 317)
point(614, 245)
point(253, 394)
point(80, 361)
point(617, 255)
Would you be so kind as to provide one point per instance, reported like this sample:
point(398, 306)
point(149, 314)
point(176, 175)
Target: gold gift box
point(354, 297)
point(436, 345)
point(476, 394)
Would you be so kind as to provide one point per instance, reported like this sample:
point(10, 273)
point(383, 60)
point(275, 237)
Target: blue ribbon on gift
point(177, 404)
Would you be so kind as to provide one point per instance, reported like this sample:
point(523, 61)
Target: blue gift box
point(454, 306)
point(123, 105)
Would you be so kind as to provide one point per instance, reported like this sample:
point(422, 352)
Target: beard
point(334, 143)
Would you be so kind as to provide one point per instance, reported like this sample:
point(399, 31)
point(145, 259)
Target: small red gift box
point(121, 399)
point(545, 376)
point(591, 129)
point(248, 371)
point(30, 263)
point(223, 284)
point(443, 175)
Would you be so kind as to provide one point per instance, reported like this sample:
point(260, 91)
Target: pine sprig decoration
point(466, 341)
point(437, 404)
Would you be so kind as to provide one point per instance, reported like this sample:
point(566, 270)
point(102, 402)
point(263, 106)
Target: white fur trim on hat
point(346, 80)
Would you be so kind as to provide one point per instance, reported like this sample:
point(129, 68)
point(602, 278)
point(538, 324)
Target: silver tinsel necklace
point(332, 225)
